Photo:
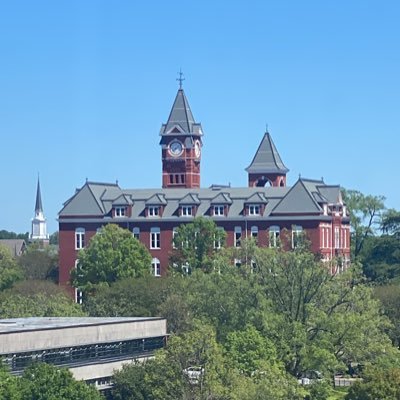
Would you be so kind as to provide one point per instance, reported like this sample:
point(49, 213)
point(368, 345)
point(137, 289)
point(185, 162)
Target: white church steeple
point(39, 226)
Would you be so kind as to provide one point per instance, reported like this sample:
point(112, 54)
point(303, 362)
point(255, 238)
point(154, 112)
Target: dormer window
point(254, 209)
point(186, 211)
point(119, 211)
point(153, 211)
point(219, 211)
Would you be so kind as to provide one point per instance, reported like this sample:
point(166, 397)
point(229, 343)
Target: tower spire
point(38, 205)
point(180, 79)
point(39, 225)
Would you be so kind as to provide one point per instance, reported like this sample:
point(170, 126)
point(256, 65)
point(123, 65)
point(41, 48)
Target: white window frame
point(297, 230)
point(274, 232)
point(136, 232)
point(120, 212)
point(174, 233)
point(237, 236)
point(153, 211)
point(219, 211)
point(186, 211)
point(78, 293)
point(337, 237)
point(80, 238)
point(156, 267)
point(155, 238)
point(254, 210)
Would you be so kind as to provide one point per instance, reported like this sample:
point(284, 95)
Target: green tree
point(46, 382)
point(37, 263)
point(112, 254)
point(383, 384)
point(391, 222)
point(9, 385)
point(322, 321)
point(9, 270)
point(365, 216)
point(196, 243)
point(38, 305)
point(12, 235)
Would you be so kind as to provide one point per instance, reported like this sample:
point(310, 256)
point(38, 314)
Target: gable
point(82, 203)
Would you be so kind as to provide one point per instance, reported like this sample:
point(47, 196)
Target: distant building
point(263, 210)
point(91, 348)
point(17, 247)
point(39, 224)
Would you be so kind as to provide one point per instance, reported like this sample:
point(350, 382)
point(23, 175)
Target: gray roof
point(40, 323)
point(96, 200)
point(16, 246)
point(181, 120)
point(38, 205)
point(267, 159)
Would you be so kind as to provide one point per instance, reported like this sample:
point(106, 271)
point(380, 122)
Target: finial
point(116, 181)
point(322, 178)
point(180, 79)
point(87, 179)
point(299, 175)
point(266, 128)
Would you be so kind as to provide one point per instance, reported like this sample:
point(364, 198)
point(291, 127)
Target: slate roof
point(16, 246)
point(305, 197)
point(181, 120)
point(267, 159)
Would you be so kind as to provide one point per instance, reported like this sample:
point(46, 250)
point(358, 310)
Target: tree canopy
point(9, 269)
point(112, 254)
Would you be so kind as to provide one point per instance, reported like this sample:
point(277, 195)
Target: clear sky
point(86, 85)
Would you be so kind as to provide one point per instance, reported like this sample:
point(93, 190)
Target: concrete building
point(263, 209)
point(92, 348)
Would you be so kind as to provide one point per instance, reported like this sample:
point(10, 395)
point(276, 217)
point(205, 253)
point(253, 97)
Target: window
point(254, 209)
point(153, 211)
point(155, 238)
point(219, 211)
point(237, 262)
point(119, 211)
point(79, 238)
point(187, 211)
point(274, 232)
point(78, 293)
point(337, 237)
point(297, 231)
point(174, 233)
point(186, 269)
point(136, 233)
point(156, 267)
point(217, 240)
point(237, 236)
point(254, 232)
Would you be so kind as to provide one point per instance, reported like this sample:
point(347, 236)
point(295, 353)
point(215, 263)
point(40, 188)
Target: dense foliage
point(112, 254)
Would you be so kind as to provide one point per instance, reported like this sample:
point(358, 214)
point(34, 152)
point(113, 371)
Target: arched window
point(274, 232)
point(136, 233)
point(156, 267)
point(79, 238)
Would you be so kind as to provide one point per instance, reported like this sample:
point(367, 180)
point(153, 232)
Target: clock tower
point(181, 142)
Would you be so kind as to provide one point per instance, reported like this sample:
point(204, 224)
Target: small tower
point(181, 145)
point(267, 167)
point(39, 226)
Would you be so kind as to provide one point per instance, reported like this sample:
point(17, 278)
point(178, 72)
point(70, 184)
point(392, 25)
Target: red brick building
point(263, 209)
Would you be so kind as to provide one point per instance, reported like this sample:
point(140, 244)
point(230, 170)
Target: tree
point(46, 382)
point(196, 243)
point(112, 254)
point(9, 385)
point(38, 263)
point(12, 235)
point(391, 222)
point(9, 270)
point(322, 321)
point(377, 384)
point(365, 215)
point(38, 305)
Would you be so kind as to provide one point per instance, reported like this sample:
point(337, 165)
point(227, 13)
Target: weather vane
point(180, 79)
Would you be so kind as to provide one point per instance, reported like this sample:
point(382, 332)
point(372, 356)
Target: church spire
point(267, 166)
point(38, 206)
point(39, 225)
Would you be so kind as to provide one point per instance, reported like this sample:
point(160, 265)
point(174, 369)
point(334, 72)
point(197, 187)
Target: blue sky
point(86, 85)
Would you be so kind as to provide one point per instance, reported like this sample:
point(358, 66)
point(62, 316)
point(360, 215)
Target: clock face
point(197, 149)
point(175, 148)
